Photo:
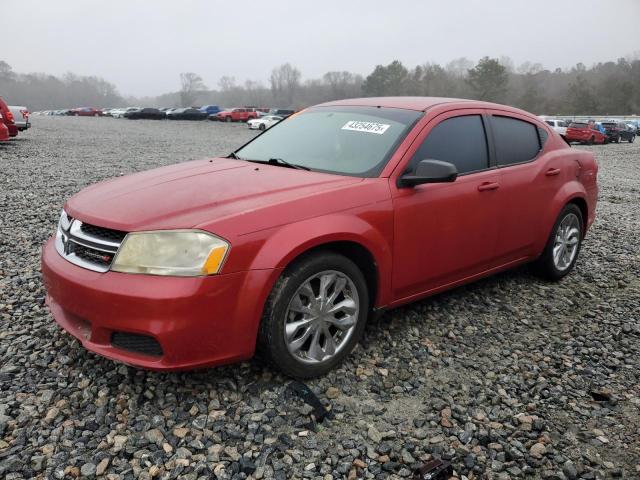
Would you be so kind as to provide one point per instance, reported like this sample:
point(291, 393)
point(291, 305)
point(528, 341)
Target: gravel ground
point(509, 377)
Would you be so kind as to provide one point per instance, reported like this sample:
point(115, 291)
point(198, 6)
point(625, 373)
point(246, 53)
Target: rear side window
point(550, 122)
point(516, 141)
point(458, 140)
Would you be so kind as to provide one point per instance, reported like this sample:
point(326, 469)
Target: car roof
point(416, 103)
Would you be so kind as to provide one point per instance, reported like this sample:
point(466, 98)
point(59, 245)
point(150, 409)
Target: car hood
point(200, 193)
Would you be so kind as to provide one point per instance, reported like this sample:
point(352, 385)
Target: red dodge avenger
point(288, 245)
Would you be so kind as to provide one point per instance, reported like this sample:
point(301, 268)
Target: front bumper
point(198, 322)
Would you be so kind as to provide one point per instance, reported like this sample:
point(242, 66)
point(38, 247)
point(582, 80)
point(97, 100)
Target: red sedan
point(291, 242)
point(585, 133)
point(4, 131)
point(85, 112)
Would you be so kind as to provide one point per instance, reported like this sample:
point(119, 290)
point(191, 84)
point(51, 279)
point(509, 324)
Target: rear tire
point(301, 332)
point(591, 140)
point(563, 246)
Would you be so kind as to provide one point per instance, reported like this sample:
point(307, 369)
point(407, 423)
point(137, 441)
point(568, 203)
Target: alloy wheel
point(566, 243)
point(321, 317)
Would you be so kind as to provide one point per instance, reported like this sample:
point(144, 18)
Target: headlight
point(172, 252)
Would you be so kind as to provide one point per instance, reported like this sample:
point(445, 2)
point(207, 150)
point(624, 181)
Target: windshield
point(355, 141)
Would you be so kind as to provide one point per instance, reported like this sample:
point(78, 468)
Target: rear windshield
point(355, 141)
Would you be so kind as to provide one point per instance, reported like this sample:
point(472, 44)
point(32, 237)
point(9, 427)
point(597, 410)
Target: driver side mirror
point(429, 171)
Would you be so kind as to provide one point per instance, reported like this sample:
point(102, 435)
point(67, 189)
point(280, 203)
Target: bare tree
point(190, 85)
point(285, 81)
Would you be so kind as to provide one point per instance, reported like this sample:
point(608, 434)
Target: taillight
point(9, 116)
point(25, 113)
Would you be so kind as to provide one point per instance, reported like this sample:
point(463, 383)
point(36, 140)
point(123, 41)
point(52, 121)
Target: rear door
point(444, 232)
point(529, 179)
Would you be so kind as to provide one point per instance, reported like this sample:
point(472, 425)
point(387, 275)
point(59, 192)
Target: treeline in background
point(610, 88)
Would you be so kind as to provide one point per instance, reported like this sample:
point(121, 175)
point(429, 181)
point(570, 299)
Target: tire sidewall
point(548, 264)
point(272, 334)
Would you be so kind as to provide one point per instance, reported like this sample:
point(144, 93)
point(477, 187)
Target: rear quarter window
point(516, 141)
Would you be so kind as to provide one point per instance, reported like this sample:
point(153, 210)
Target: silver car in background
point(20, 117)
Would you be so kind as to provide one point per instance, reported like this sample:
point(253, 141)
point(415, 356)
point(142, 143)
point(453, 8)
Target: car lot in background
point(20, 117)
point(185, 114)
point(264, 123)
point(584, 133)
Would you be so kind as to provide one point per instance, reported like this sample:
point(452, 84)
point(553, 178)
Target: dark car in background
point(613, 130)
point(7, 118)
point(145, 113)
point(281, 112)
point(85, 112)
point(628, 134)
point(186, 114)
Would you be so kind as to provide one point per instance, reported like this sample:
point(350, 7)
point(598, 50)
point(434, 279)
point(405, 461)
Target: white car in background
point(20, 117)
point(559, 126)
point(119, 112)
point(264, 123)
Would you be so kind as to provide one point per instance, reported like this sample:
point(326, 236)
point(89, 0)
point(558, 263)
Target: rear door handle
point(552, 171)
point(483, 187)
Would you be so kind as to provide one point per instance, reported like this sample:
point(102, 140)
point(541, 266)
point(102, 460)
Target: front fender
point(292, 240)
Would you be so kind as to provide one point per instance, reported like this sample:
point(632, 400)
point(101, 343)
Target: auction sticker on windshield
point(369, 127)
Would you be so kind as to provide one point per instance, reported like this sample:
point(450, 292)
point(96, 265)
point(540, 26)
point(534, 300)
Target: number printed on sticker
point(368, 127)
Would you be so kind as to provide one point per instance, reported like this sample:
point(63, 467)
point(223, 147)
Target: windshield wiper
point(233, 155)
point(283, 162)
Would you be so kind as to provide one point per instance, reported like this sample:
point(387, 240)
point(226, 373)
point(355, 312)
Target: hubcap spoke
point(321, 317)
point(566, 242)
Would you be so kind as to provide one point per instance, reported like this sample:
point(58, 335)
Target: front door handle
point(552, 172)
point(483, 187)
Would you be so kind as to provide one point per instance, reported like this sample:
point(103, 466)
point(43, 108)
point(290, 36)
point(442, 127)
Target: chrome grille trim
point(67, 239)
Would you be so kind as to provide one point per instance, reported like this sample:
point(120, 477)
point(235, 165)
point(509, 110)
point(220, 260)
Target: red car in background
point(292, 241)
point(85, 112)
point(235, 115)
point(7, 118)
point(584, 133)
point(4, 131)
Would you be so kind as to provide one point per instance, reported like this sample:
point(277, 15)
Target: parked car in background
point(106, 112)
point(4, 131)
point(290, 243)
point(281, 112)
point(584, 133)
point(210, 109)
point(559, 126)
point(85, 112)
point(20, 117)
point(119, 112)
point(186, 114)
point(234, 115)
point(629, 133)
point(7, 118)
point(146, 113)
point(613, 130)
point(263, 123)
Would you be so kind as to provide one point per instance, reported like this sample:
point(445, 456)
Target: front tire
point(563, 246)
point(314, 316)
point(261, 126)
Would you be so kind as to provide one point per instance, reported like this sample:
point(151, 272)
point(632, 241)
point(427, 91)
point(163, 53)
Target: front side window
point(356, 141)
point(458, 140)
point(516, 141)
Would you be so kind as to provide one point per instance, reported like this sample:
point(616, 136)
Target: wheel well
point(582, 205)
point(359, 255)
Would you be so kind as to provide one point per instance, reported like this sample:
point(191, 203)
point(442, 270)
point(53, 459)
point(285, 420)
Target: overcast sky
point(143, 45)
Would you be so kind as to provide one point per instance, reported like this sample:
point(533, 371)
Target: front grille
point(103, 233)
point(90, 255)
point(134, 342)
point(88, 246)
